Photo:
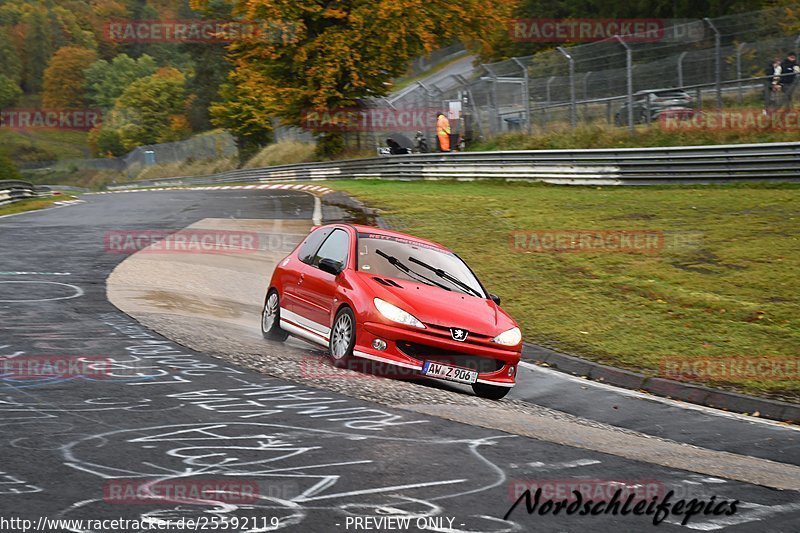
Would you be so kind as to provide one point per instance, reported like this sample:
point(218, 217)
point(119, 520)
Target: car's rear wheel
point(490, 392)
point(343, 337)
point(271, 318)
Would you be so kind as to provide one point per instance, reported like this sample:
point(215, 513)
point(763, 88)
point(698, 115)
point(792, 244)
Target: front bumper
point(410, 348)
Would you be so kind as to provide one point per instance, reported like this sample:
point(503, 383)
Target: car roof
point(360, 228)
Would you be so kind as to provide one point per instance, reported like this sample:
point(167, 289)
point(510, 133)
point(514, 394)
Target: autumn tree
point(9, 92)
point(9, 57)
point(107, 80)
point(37, 47)
point(65, 78)
point(151, 110)
point(315, 54)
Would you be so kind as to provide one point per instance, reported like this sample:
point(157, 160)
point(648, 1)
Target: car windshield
point(389, 256)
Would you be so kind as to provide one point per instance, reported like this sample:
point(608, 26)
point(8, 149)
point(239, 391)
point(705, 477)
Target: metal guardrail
point(14, 190)
point(628, 166)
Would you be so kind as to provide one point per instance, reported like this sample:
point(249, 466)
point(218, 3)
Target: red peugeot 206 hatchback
point(382, 295)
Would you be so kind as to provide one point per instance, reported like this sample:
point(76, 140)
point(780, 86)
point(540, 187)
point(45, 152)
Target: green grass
point(32, 204)
point(730, 291)
point(561, 137)
point(44, 145)
point(282, 153)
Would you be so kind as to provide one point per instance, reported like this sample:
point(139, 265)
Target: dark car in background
point(658, 102)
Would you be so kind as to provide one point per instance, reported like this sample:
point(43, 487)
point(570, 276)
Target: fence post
point(427, 94)
point(550, 80)
point(497, 125)
point(474, 113)
point(718, 61)
point(739, 71)
point(548, 96)
point(680, 68)
point(586, 96)
point(629, 70)
point(526, 94)
point(573, 106)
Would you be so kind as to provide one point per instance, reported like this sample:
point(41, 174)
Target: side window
point(311, 245)
point(335, 247)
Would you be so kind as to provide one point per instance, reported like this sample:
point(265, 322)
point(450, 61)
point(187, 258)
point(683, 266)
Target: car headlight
point(395, 314)
point(511, 337)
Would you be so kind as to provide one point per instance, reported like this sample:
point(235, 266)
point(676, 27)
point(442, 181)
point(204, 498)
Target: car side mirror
point(330, 266)
point(495, 298)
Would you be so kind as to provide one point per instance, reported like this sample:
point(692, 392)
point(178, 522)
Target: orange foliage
point(64, 78)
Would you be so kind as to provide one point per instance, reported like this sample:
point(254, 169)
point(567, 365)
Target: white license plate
point(450, 373)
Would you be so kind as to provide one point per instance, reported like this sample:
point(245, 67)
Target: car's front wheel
point(343, 337)
point(490, 392)
point(271, 318)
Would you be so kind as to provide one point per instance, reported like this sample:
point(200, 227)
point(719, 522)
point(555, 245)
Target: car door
point(318, 288)
point(295, 270)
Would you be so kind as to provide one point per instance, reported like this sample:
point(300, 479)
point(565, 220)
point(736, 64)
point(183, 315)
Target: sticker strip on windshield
point(402, 240)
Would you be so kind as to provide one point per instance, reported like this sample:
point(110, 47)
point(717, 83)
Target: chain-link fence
point(718, 62)
point(206, 146)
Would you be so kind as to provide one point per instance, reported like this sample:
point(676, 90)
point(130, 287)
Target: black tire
point(271, 325)
point(490, 392)
point(342, 338)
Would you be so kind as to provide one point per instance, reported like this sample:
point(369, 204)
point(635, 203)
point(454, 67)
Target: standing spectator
point(443, 132)
point(789, 70)
point(772, 85)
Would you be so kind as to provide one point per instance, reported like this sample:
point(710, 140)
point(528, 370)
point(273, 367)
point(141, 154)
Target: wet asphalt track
point(317, 459)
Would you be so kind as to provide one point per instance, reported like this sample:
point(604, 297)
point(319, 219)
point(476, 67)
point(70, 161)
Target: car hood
point(439, 307)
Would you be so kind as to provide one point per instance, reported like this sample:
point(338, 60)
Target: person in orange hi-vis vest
point(443, 132)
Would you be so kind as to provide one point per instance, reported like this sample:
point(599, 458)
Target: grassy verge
point(601, 136)
point(724, 284)
point(43, 145)
point(32, 204)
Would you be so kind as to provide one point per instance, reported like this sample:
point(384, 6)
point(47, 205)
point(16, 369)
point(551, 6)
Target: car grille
point(422, 353)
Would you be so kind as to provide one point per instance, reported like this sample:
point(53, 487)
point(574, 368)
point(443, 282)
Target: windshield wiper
point(446, 275)
point(399, 265)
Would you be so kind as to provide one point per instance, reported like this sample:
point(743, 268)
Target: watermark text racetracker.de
point(731, 120)
point(180, 490)
point(198, 31)
point(44, 118)
point(549, 30)
point(26, 367)
point(356, 119)
point(730, 368)
point(151, 523)
point(631, 241)
point(195, 241)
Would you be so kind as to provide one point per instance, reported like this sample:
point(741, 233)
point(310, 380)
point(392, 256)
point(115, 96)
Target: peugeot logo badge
point(459, 334)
